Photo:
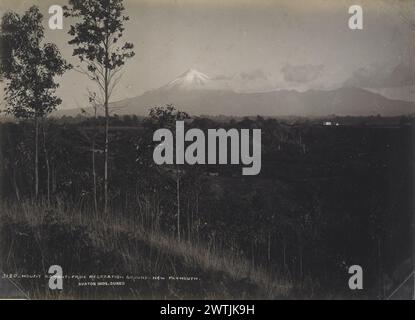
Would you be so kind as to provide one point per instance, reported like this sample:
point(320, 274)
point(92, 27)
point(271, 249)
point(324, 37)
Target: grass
point(35, 235)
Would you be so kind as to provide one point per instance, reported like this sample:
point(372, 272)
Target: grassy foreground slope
point(152, 265)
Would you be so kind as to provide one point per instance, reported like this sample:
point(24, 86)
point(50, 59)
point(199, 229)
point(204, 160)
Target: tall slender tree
point(29, 68)
point(3, 51)
point(166, 117)
point(96, 35)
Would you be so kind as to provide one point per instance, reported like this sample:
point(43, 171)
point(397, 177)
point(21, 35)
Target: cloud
point(302, 73)
point(256, 74)
point(247, 81)
point(253, 75)
point(400, 75)
point(222, 77)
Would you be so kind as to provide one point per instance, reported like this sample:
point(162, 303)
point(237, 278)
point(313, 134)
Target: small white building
point(330, 123)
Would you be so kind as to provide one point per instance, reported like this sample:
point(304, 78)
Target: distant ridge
point(198, 94)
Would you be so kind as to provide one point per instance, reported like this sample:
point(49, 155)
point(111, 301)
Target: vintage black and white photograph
point(206, 149)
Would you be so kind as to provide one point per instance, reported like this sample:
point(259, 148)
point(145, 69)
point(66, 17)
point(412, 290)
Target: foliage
point(29, 66)
point(306, 215)
point(96, 34)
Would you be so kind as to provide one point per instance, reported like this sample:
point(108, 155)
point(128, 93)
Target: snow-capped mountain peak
point(191, 79)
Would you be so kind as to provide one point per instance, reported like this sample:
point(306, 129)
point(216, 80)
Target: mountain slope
point(198, 94)
point(342, 102)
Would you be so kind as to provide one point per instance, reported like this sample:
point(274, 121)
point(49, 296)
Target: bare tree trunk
point(53, 179)
point(15, 184)
point(178, 203)
point(284, 255)
point(301, 261)
point(253, 254)
point(45, 151)
point(94, 175)
point(106, 161)
point(188, 218)
point(106, 138)
point(16, 187)
point(36, 156)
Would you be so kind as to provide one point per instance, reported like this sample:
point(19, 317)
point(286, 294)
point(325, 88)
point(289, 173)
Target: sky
point(281, 44)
